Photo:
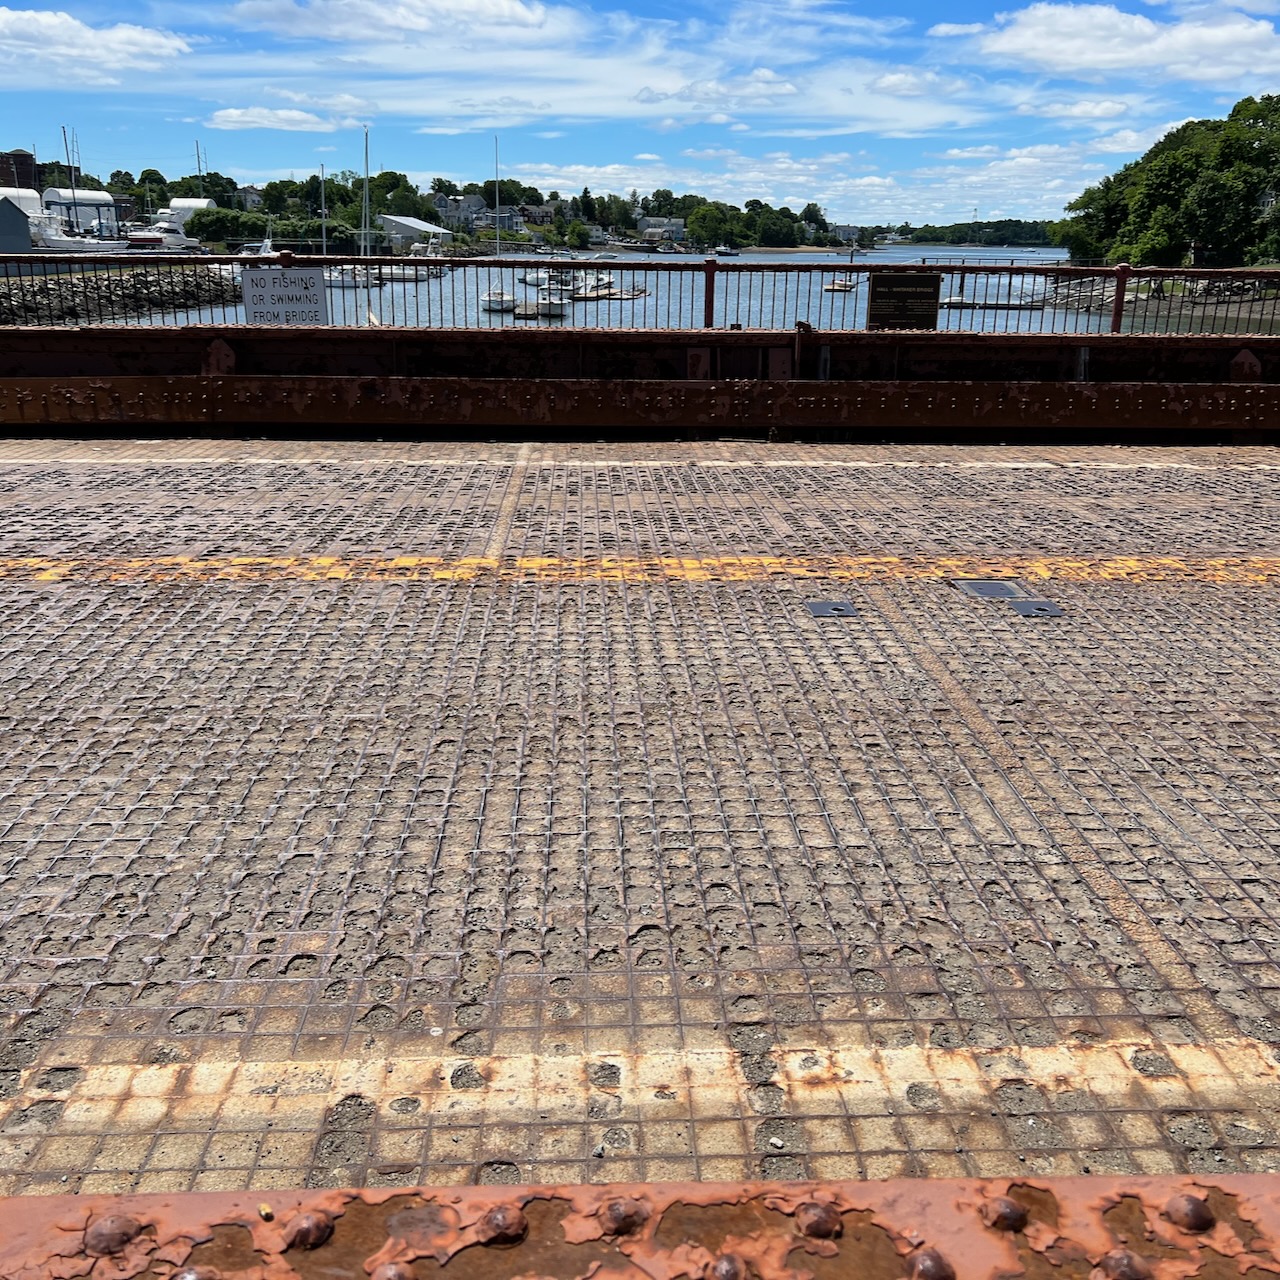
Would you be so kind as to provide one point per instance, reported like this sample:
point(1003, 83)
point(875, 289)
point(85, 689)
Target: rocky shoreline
point(87, 296)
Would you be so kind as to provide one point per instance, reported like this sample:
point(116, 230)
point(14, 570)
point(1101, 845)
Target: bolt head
point(819, 1221)
point(1120, 1264)
point(503, 1224)
point(109, 1234)
point(1191, 1213)
point(929, 1264)
point(309, 1230)
point(1004, 1214)
point(623, 1216)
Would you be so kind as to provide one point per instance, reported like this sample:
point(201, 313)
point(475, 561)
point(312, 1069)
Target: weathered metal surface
point(717, 407)
point(1078, 1229)
point(383, 814)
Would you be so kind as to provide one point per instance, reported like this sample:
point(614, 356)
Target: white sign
point(273, 296)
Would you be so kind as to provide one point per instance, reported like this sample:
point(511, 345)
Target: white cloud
point(646, 155)
point(945, 29)
point(1088, 41)
point(36, 43)
point(1083, 109)
point(910, 83)
point(287, 118)
point(971, 153)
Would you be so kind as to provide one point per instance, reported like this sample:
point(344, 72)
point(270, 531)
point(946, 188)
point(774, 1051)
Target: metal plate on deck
point(831, 608)
point(991, 588)
point(1035, 608)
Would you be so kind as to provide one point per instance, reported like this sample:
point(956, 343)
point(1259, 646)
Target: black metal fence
point(625, 293)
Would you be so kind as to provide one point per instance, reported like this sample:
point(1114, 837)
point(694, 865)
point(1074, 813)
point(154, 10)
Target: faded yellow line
point(1235, 570)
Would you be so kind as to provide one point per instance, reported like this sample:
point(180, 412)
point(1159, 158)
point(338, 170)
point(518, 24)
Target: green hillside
point(1206, 191)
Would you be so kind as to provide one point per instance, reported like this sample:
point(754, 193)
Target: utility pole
point(324, 213)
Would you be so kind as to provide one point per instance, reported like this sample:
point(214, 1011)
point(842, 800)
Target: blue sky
point(879, 113)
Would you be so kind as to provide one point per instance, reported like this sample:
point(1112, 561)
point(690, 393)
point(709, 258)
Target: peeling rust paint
point(1170, 1228)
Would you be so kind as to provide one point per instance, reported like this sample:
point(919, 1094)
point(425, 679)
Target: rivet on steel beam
point(196, 1273)
point(821, 1221)
point(1120, 1264)
point(728, 1266)
point(308, 1230)
point(503, 1224)
point(110, 1234)
point(1190, 1213)
point(1004, 1214)
point(622, 1216)
point(392, 1271)
point(929, 1264)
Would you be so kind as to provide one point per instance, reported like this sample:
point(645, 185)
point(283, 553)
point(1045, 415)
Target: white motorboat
point(497, 300)
point(724, 251)
point(163, 237)
point(553, 303)
point(349, 277)
point(841, 284)
point(407, 272)
point(49, 236)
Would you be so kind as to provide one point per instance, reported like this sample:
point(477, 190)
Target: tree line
point(1206, 194)
point(295, 208)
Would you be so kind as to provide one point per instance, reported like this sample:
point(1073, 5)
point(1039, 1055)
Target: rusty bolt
point(821, 1221)
point(1120, 1264)
point(728, 1266)
point(1004, 1213)
point(503, 1224)
point(1190, 1213)
point(392, 1271)
point(266, 1212)
point(929, 1264)
point(308, 1230)
point(110, 1234)
point(623, 1215)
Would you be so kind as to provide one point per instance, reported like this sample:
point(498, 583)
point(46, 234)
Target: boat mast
point(324, 238)
point(364, 229)
point(497, 198)
point(71, 178)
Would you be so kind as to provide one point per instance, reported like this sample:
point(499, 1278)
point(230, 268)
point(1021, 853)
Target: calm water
point(670, 293)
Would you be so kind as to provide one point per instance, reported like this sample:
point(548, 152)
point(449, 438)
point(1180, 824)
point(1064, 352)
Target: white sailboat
point(497, 299)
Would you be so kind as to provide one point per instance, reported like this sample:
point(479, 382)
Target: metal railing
point(625, 293)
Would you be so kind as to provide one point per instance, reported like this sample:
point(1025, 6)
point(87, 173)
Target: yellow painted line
point(1234, 571)
point(1236, 1073)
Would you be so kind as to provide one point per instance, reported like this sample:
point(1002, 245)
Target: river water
point(757, 290)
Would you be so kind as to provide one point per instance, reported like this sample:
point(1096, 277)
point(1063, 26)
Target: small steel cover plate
point(1036, 608)
point(991, 588)
point(831, 608)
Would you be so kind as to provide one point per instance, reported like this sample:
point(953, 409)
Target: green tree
point(577, 235)
point(587, 205)
point(444, 187)
point(813, 215)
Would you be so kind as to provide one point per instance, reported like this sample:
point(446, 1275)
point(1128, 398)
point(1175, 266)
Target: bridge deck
point(384, 814)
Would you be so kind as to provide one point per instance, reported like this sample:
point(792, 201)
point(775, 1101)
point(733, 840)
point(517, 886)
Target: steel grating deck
point(381, 815)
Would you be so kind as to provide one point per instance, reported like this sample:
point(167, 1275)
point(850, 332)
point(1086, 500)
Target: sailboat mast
point(71, 178)
point(324, 213)
point(497, 200)
point(364, 229)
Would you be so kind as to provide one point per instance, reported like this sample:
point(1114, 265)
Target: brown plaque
point(903, 300)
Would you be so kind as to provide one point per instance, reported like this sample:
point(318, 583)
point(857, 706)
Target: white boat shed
point(82, 209)
point(402, 231)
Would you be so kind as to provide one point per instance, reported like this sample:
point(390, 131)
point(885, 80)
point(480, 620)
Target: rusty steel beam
point(693, 406)
point(999, 1229)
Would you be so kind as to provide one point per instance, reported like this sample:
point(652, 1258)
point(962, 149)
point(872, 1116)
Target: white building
point(80, 209)
point(402, 231)
point(182, 208)
point(25, 198)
